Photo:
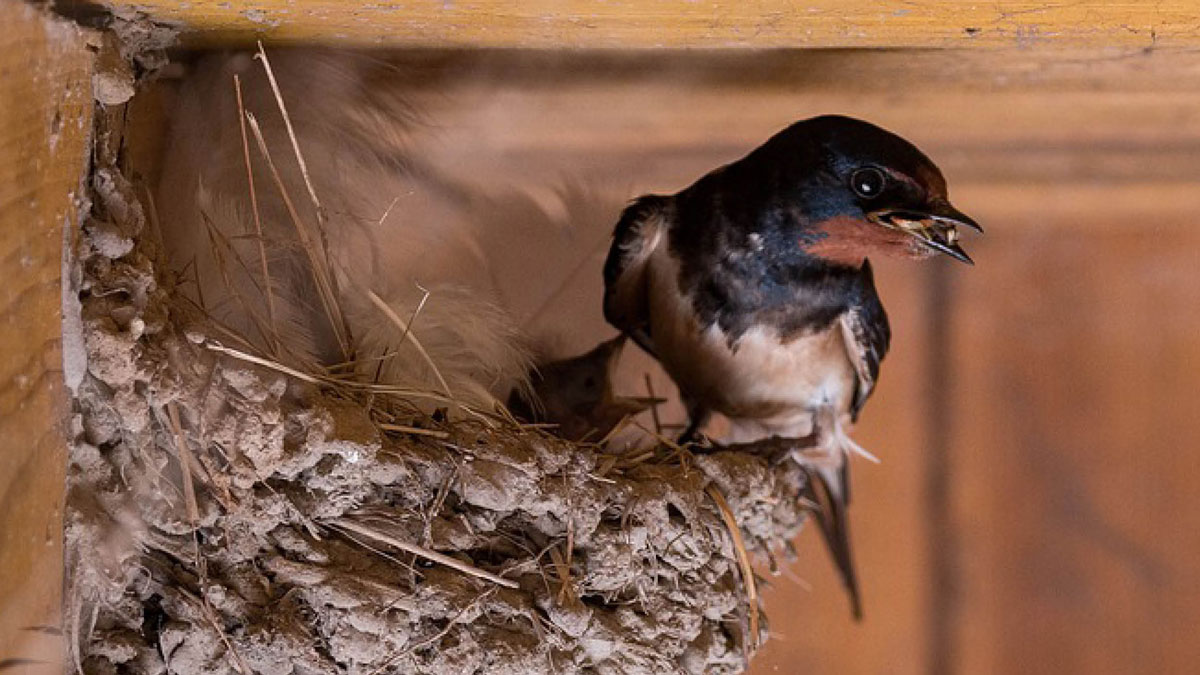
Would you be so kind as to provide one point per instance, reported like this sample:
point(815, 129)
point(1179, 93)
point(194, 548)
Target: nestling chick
point(576, 394)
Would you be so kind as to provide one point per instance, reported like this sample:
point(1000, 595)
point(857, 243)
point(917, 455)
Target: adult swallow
point(752, 287)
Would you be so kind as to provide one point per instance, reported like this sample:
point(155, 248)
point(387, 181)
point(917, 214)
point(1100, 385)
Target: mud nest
point(225, 516)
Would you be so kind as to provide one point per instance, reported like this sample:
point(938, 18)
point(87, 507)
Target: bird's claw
point(775, 447)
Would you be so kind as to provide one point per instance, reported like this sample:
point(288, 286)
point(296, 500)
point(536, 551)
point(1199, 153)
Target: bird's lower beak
point(936, 227)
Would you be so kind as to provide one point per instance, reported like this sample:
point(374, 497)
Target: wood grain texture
point(1081, 141)
point(45, 121)
point(1074, 432)
point(683, 23)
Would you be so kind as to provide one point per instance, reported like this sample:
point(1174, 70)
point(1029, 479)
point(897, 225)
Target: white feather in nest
point(468, 274)
point(474, 349)
point(226, 280)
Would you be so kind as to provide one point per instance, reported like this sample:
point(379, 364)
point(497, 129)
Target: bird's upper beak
point(935, 226)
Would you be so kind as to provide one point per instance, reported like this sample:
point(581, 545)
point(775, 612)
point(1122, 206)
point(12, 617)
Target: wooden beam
point(45, 123)
point(685, 23)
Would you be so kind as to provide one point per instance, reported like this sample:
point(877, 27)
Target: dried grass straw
point(258, 231)
point(416, 549)
point(743, 558)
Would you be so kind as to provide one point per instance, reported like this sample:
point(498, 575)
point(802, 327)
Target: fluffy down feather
point(391, 227)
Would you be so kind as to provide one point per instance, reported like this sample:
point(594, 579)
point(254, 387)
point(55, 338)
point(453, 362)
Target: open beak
point(936, 227)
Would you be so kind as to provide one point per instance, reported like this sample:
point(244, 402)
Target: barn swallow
point(752, 287)
point(576, 394)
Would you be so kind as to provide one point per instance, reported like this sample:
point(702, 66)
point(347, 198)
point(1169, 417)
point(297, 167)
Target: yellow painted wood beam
point(45, 124)
point(688, 23)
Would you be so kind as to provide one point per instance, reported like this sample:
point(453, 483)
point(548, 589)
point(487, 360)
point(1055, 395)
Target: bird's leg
point(692, 432)
point(774, 446)
point(698, 416)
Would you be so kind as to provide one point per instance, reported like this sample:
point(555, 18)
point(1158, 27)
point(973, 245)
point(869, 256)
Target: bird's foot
point(775, 447)
point(818, 457)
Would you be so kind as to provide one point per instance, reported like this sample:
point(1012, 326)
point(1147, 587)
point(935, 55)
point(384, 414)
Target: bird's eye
point(867, 182)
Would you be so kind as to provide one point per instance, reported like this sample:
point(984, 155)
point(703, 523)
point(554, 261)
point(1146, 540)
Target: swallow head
point(576, 396)
point(858, 188)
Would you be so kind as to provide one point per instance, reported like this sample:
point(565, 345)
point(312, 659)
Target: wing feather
point(641, 229)
point(867, 336)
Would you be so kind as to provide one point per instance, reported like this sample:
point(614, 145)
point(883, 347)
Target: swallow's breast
point(765, 384)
